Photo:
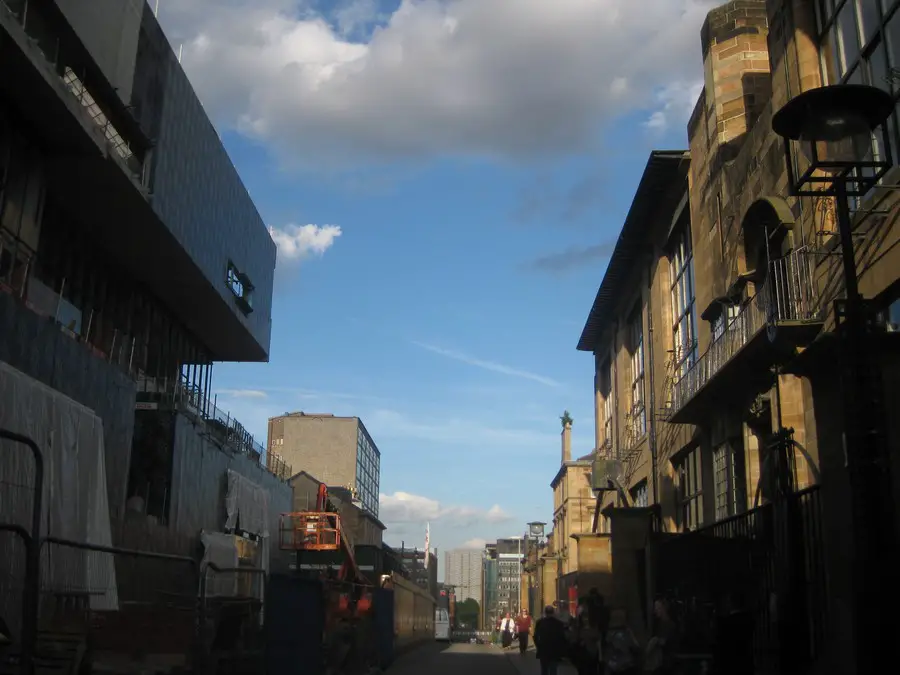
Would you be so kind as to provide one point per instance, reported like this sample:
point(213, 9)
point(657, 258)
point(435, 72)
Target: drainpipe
point(652, 420)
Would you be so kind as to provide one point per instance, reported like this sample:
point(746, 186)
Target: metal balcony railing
point(788, 295)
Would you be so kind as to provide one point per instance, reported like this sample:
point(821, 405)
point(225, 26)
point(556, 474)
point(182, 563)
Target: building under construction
point(131, 259)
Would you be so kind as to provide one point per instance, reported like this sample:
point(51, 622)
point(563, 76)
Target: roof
point(663, 167)
point(587, 460)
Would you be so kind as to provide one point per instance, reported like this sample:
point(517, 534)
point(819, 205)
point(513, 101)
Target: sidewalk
point(527, 664)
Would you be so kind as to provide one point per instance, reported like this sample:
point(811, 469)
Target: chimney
point(566, 437)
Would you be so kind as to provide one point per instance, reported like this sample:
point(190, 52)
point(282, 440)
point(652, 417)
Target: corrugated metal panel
point(663, 167)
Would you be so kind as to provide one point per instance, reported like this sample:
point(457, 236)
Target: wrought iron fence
point(768, 562)
point(789, 295)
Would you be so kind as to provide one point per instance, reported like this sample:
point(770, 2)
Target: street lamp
point(835, 128)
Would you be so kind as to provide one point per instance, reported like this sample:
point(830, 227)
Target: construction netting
point(74, 498)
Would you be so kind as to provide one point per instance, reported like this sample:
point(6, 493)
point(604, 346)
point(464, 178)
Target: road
point(444, 659)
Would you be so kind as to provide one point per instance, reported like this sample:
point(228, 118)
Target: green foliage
point(467, 613)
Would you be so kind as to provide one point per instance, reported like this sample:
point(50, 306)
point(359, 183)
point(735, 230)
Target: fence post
point(32, 552)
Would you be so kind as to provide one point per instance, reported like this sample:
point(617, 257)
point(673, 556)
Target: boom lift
point(321, 531)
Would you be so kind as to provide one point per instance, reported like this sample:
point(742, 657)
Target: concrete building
point(490, 587)
point(337, 450)
point(423, 574)
point(510, 555)
point(131, 259)
point(462, 570)
point(718, 403)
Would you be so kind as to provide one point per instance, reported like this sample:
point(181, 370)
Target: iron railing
point(788, 295)
point(190, 399)
point(66, 64)
point(768, 562)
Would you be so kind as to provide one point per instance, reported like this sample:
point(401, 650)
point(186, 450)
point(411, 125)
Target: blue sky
point(472, 209)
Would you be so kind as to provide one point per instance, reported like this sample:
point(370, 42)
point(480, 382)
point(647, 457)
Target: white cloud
point(510, 79)
point(298, 242)
point(243, 393)
point(675, 101)
point(487, 365)
point(403, 507)
point(474, 543)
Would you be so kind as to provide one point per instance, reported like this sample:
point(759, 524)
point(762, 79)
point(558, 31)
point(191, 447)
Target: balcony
point(782, 316)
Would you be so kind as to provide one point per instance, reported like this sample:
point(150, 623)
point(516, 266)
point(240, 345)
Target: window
point(684, 313)
point(638, 411)
point(721, 323)
point(859, 43)
point(640, 495)
point(729, 473)
point(240, 287)
point(690, 490)
point(605, 386)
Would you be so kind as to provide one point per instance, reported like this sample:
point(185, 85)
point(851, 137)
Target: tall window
point(720, 323)
point(640, 494)
point(638, 411)
point(859, 43)
point(606, 393)
point(690, 490)
point(728, 466)
point(684, 313)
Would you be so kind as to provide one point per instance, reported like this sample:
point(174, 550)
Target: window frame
point(638, 412)
point(730, 493)
point(683, 300)
point(689, 493)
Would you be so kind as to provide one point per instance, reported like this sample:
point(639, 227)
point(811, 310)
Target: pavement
point(527, 663)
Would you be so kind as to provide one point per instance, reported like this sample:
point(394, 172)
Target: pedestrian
point(550, 642)
point(621, 649)
point(660, 656)
point(523, 627)
point(588, 648)
point(506, 631)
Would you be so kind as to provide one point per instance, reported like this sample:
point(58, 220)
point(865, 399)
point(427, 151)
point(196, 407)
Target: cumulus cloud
point(474, 543)
point(675, 101)
point(404, 507)
point(296, 242)
point(509, 79)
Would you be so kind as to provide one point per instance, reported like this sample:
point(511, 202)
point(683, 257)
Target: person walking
point(506, 631)
point(550, 641)
point(660, 656)
point(523, 627)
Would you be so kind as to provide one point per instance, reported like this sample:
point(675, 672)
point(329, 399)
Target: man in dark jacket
point(550, 641)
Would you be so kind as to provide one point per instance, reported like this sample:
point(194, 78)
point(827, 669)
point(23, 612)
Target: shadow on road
point(453, 659)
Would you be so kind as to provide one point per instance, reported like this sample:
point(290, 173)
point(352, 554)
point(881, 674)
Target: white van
point(442, 625)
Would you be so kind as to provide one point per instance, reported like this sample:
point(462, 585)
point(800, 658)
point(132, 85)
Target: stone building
point(714, 333)
point(573, 514)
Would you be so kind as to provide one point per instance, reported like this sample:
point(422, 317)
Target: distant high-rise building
point(510, 553)
point(490, 579)
point(336, 450)
point(462, 570)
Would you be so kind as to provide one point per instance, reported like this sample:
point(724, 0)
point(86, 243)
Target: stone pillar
point(631, 529)
point(566, 436)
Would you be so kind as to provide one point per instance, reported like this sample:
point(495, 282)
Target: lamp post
point(834, 128)
point(536, 535)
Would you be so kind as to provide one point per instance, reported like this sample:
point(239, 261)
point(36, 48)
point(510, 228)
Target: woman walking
point(523, 627)
point(506, 630)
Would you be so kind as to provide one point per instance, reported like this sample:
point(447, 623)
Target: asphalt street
point(467, 659)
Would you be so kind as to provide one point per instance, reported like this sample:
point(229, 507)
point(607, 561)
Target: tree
point(467, 613)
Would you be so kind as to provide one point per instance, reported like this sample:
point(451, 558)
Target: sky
point(445, 181)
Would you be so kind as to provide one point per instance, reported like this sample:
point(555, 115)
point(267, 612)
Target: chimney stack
point(566, 437)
